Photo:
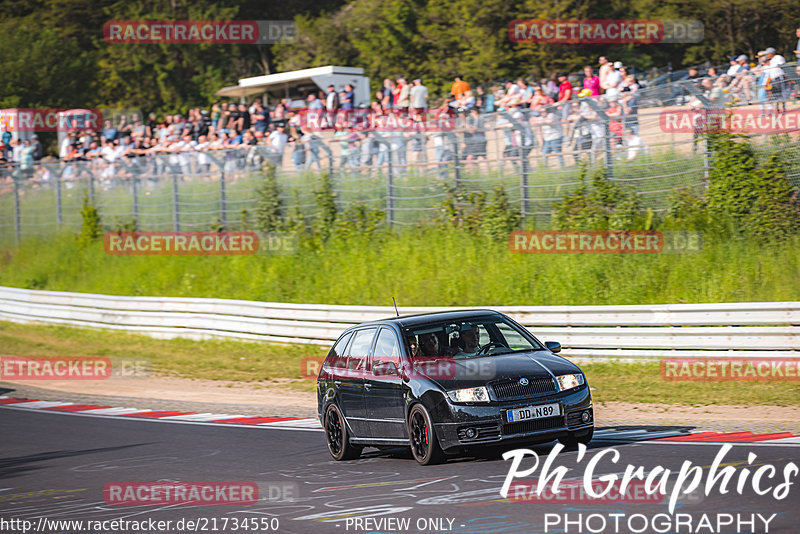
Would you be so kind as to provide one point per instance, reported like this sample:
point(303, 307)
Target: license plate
point(533, 412)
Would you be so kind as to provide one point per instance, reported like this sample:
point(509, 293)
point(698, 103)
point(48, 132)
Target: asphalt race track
point(55, 466)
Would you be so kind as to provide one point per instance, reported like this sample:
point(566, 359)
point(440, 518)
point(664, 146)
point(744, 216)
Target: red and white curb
point(294, 423)
point(609, 435)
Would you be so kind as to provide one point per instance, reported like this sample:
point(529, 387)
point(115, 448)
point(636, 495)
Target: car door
point(384, 391)
point(351, 386)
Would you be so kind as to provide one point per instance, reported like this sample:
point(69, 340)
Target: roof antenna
point(395, 307)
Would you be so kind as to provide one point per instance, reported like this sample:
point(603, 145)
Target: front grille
point(512, 389)
point(490, 431)
point(532, 426)
point(574, 418)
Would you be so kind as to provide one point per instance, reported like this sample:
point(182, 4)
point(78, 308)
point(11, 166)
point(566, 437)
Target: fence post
point(59, 213)
point(524, 179)
point(135, 192)
point(17, 218)
point(456, 169)
point(176, 216)
point(524, 167)
point(706, 105)
point(131, 169)
point(222, 199)
point(91, 187)
point(389, 181)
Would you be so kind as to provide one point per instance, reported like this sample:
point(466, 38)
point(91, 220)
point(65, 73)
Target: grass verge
point(420, 267)
point(228, 360)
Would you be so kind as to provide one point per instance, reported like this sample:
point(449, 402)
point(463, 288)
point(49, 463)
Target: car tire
point(422, 437)
point(336, 436)
point(572, 440)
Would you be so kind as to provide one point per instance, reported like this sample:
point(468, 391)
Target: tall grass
point(420, 267)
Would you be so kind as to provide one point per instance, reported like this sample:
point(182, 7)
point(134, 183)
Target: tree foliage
point(53, 53)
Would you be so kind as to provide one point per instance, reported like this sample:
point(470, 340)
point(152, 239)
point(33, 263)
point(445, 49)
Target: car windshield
point(468, 338)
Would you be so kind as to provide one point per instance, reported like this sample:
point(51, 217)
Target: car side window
point(336, 356)
point(359, 349)
point(386, 358)
point(337, 351)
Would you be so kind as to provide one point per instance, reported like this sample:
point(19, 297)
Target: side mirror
point(553, 346)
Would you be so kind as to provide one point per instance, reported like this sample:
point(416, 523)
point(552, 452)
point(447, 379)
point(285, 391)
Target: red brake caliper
point(426, 435)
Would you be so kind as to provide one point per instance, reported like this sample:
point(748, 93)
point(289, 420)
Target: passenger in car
point(412, 345)
point(429, 343)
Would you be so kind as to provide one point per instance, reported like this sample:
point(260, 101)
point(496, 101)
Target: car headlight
point(566, 382)
point(479, 394)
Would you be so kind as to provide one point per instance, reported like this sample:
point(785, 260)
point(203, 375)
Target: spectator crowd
point(565, 112)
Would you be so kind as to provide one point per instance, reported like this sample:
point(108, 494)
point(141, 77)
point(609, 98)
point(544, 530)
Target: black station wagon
point(444, 383)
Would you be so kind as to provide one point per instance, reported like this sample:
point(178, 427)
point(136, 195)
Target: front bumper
point(489, 423)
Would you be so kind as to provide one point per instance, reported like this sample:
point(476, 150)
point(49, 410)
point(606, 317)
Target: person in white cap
point(775, 77)
point(743, 81)
point(614, 78)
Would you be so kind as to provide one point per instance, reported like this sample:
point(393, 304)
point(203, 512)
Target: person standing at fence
point(743, 81)
point(564, 94)
point(26, 160)
point(775, 78)
point(475, 139)
point(332, 105)
point(634, 145)
point(388, 94)
point(797, 46)
point(403, 95)
point(203, 161)
point(590, 81)
point(606, 68)
point(348, 98)
point(552, 135)
point(459, 87)
point(278, 140)
point(344, 148)
point(419, 99)
point(299, 149)
point(312, 144)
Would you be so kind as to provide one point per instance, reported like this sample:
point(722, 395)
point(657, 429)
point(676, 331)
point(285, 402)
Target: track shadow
point(607, 436)
point(19, 465)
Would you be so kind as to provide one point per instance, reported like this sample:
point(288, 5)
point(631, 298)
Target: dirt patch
point(669, 413)
point(273, 393)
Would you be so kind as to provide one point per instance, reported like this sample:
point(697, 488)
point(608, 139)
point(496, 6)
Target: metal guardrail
point(730, 329)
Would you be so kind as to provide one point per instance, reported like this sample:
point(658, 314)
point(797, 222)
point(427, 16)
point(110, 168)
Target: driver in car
point(469, 344)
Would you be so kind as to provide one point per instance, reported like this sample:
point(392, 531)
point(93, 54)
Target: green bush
point(268, 201)
point(598, 205)
point(91, 227)
point(745, 196)
point(325, 198)
point(479, 213)
point(359, 220)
